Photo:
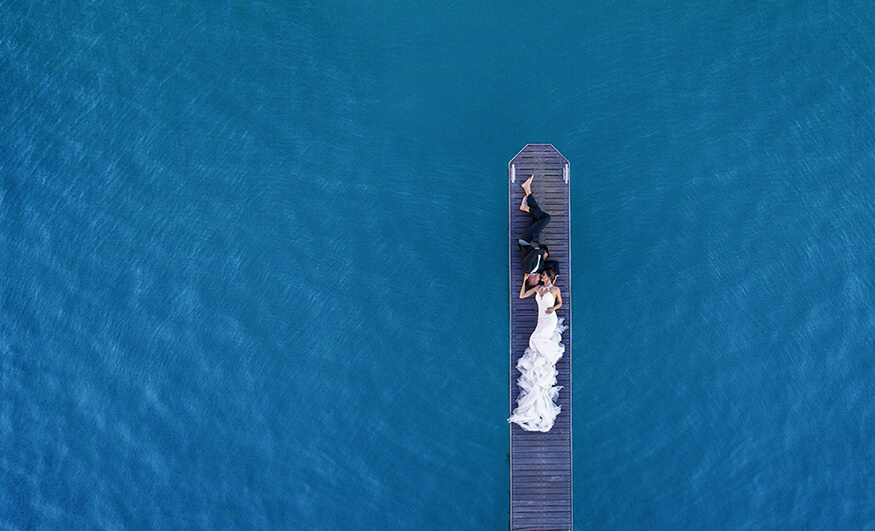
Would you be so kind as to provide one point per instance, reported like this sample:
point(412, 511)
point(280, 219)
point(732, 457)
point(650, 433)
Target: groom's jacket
point(533, 256)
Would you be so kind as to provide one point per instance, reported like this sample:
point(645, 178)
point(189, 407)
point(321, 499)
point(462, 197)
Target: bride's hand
point(548, 310)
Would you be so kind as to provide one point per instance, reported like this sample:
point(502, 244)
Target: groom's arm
point(531, 259)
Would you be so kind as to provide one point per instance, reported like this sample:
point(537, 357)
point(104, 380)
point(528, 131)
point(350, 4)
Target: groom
point(534, 252)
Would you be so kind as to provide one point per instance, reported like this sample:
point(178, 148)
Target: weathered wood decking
point(540, 463)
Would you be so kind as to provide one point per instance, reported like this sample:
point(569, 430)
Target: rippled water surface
point(254, 264)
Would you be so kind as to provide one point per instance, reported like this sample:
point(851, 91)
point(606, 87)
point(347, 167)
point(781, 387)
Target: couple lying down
point(536, 408)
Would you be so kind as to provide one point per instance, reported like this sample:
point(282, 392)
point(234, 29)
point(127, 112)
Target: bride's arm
point(524, 294)
point(558, 304)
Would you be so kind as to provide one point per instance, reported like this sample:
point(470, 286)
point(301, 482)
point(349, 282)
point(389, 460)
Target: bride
point(536, 409)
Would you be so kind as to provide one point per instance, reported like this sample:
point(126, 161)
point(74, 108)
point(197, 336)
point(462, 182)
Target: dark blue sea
point(253, 260)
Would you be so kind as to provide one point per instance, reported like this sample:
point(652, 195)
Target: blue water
point(254, 260)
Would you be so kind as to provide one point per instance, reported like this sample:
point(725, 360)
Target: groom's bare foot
point(527, 186)
point(524, 206)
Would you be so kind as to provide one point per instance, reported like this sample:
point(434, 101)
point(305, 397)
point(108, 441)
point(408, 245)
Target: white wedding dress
point(536, 409)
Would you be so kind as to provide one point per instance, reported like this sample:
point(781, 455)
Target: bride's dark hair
point(552, 274)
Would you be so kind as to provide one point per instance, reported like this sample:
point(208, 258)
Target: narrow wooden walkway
point(540, 463)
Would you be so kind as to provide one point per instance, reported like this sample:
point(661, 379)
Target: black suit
point(532, 250)
point(533, 259)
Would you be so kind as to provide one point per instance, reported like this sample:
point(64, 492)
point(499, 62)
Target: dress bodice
point(545, 300)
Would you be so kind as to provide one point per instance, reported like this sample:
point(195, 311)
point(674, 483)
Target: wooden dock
point(541, 495)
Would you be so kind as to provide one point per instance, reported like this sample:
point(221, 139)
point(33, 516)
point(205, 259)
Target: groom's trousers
point(540, 220)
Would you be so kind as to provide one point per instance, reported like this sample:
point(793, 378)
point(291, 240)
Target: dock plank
point(541, 463)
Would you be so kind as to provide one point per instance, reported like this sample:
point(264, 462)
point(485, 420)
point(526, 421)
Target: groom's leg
point(541, 219)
